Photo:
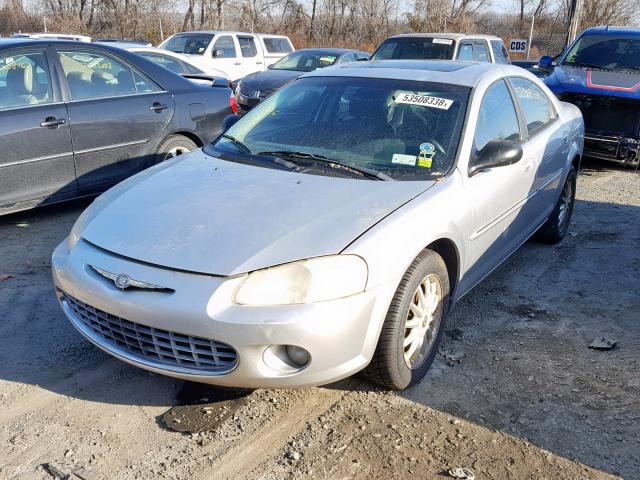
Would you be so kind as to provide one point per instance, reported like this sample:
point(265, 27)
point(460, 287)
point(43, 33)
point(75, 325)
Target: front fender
point(434, 215)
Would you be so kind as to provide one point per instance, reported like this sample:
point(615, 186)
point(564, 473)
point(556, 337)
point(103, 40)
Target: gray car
point(329, 230)
point(76, 118)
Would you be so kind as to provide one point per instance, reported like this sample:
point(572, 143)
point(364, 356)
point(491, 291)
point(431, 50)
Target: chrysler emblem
point(122, 281)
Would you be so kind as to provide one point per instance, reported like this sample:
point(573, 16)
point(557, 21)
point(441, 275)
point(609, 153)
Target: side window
point(94, 74)
point(248, 46)
point(348, 58)
point(497, 119)
point(499, 52)
point(224, 47)
point(465, 52)
point(481, 52)
point(24, 79)
point(538, 111)
point(277, 45)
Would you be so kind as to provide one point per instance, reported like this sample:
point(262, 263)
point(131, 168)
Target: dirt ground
point(514, 394)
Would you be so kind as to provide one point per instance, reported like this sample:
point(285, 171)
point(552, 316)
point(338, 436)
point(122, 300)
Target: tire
point(173, 146)
point(389, 367)
point(557, 225)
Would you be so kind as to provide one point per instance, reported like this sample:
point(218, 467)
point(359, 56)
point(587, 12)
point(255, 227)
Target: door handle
point(238, 63)
point(52, 122)
point(158, 107)
point(258, 62)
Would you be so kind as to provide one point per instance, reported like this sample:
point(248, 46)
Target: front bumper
point(245, 104)
point(340, 335)
point(611, 147)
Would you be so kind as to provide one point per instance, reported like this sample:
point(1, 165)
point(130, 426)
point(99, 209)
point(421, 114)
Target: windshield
point(305, 61)
point(406, 129)
point(609, 52)
point(415, 48)
point(190, 43)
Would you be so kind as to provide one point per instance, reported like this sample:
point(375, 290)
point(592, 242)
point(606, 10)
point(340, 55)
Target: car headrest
point(21, 78)
point(100, 78)
point(74, 77)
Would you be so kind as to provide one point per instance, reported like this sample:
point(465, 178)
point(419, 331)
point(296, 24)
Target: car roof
point(232, 32)
point(451, 36)
point(612, 30)
point(44, 41)
point(467, 74)
point(331, 50)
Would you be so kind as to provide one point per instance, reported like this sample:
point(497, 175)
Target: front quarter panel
point(391, 245)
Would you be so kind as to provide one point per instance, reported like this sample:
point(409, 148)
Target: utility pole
point(533, 19)
point(575, 9)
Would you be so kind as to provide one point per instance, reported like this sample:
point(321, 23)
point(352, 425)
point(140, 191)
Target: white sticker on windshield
point(403, 159)
point(443, 41)
point(424, 100)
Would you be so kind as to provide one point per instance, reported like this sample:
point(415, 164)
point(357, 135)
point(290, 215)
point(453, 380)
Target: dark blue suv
point(600, 74)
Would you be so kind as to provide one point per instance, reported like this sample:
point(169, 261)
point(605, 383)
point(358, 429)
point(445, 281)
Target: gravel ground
point(514, 394)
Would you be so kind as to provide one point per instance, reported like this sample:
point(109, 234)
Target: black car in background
point(531, 66)
point(76, 118)
point(254, 88)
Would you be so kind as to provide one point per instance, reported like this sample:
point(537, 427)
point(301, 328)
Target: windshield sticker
point(404, 159)
point(427, 152)
point(442, 41)
point(327, 59)
point(424, 100)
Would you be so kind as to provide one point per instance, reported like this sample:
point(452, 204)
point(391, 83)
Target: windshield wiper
point(586, 65)
point(241, 146)
point(369, 172)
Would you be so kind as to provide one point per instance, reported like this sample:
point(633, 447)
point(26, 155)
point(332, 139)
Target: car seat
point(20, 85)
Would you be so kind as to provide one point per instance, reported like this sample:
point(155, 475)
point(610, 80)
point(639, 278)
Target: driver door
point(496, 195)
point(226, 58)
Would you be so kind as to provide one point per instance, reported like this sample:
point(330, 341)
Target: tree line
point(361, 24)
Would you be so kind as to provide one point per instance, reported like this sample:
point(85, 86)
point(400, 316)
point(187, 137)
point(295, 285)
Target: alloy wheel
point(422, 322)
point(175, 152)
point(565, 204)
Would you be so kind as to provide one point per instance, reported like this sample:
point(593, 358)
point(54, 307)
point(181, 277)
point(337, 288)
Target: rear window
point(415, 48)
point(190, 43)
point(277, 45)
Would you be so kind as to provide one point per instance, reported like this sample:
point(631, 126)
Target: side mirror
point(229, 121)
point(496, 153)
point(218, 53)
point(545, 63)
point(269, 67)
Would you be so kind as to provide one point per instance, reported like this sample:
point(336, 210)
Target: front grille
point(607, 115)
point(246, 90)
point(153, 345)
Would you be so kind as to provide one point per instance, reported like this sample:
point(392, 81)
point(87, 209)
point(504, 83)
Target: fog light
point(298, 355)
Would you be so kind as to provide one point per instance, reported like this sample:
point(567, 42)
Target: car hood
point(583, 80)
point(207, 215)
point(269, 79)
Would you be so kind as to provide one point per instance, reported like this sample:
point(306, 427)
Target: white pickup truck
point(235, 53)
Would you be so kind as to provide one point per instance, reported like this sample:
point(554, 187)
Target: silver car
point(329, 230)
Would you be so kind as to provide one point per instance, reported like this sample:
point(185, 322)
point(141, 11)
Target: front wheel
point(174, 146)
point(413, 328)
point(557, 225)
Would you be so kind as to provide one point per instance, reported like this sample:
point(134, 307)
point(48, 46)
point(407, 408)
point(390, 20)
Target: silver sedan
point(329, 230)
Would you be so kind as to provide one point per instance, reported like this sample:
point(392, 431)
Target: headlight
point(76, 230)
point(307, 281)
